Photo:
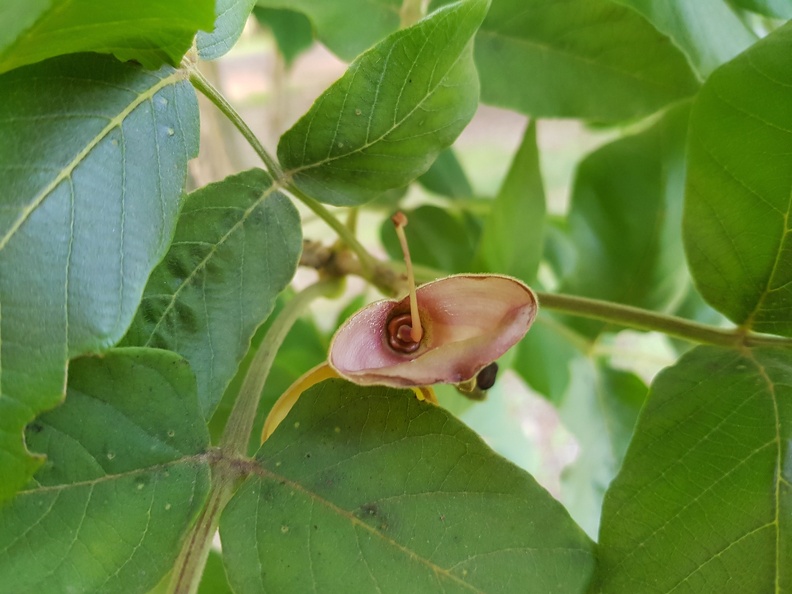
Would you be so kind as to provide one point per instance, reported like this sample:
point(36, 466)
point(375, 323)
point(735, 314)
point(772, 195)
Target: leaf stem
point(240, 422)
point(641, 319)
point(367, 261)
point(191, 561)
point(200, 82)
point(347, 236)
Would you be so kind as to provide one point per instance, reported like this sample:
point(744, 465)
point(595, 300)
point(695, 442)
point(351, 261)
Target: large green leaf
point(94, 155)
point(125, 478)
point(513, 236)
point(625, 220)
point(366, 489)
point(708, 31)
point(781, 9)
point(704, 499)
point(399, 104)
point(347, 28)
point(231, 18)
point(737, 228)
point(588, 59)
point(149, 31)
point(236, 246)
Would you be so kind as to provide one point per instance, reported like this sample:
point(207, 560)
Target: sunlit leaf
point(703, 502)
point(151, 32)
point(367, 488)
point(231, 16)
point(513, 237)
point(94, 155)
point(347, 28)
point(124, 479)
point(737, 231)
point(399, 104)
point(589, 59)
point(625, 220)
point(236, 247)
point(708, 31)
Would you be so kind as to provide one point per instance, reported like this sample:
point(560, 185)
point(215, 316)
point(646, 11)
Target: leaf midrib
point(264, 473)
point(778, 474)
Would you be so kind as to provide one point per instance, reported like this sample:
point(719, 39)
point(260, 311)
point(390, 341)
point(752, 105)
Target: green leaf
point(365, 488)
point(236, 247)
point(544, 357)
point(292, 30)
point(737, 229)
point(347, 28)
point(513, 237)
point(437, 239)
point(703, 502)
point(213, 580)
point(151, 32)
point(781, 9)
point(446, 177)
point(383, 123)
point(589, 59)
point(231, 16)
point(125, 478)
point(625, 220)
point(94, 156)
point(708, 31)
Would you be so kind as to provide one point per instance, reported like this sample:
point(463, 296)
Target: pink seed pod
point(468, 321)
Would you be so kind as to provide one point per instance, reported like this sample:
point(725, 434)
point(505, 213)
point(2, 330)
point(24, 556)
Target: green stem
point(203, 85)
point(641, 319)
point(191, 561)
point(240, 422)
point(367, 261)
point(199, 82)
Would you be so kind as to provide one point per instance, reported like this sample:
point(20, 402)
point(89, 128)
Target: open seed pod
point(468, 321)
